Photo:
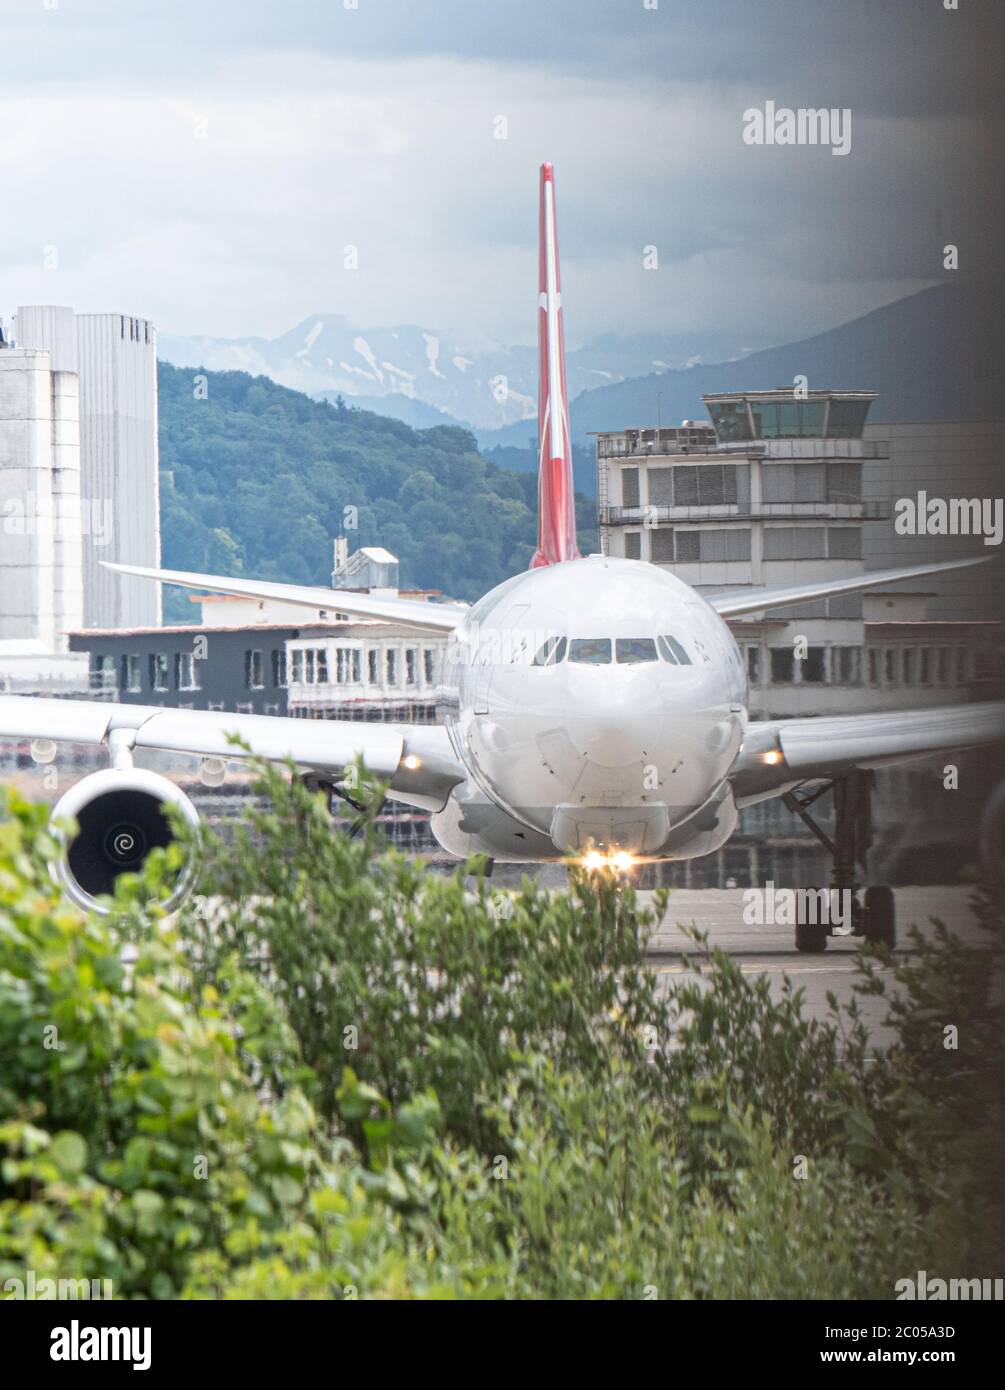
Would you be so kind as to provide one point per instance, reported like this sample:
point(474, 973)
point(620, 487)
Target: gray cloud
point(373, 127)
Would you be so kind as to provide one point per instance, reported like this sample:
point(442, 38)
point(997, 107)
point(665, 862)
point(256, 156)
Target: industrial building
point(41, 576)
point(78, 485)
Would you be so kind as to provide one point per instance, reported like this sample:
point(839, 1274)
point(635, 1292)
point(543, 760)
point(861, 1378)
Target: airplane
point(594, 709)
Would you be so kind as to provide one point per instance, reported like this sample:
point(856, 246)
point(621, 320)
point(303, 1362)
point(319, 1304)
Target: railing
point(654, 514)
point(771, 448)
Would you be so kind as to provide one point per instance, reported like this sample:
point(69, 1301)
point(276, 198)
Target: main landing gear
point(873, 916)
point(334, 792)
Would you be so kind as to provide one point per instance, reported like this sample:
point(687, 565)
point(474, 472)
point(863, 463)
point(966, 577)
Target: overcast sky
point(327, 126)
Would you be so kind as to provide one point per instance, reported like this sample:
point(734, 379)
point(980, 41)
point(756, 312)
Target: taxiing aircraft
point(594, 709)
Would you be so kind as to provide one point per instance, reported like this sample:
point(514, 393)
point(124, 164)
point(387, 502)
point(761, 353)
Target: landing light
point(412, 761)
point(773, 757)
point(619, 863)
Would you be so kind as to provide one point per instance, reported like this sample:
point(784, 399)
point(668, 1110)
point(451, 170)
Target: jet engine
point(993, 835)
point(120, 816)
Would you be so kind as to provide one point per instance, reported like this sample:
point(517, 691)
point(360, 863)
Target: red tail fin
point(556, 516)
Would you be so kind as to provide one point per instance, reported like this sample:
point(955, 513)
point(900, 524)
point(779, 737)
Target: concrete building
point(777, 490)
point(942, 460)
point(770, 493)
point(41, 596)
point(115, 357)
point(321, 670)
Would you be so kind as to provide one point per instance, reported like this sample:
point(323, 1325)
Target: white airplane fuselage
point(599, 704)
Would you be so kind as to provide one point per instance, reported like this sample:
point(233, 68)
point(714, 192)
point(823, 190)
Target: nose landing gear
point(872, 917)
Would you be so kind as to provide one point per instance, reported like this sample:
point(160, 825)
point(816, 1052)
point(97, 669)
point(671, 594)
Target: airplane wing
point(779, 754)
point(753, 599)
point(424, 616)
point(416, 760)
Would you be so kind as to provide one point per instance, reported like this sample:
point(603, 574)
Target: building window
point(788, 419)
point(633, 545)
point(411, 666)
point(254, 670)
point(429, 665)
point(661, 547)
point(309, 666)
point(710, 485)
point(710, 547)
point(184, 671)
point(159, 671)
point(782, 665)
point(962, 665)
point(844, 481)
point(730, 420)
point(754, 664)
point(102, 672)
point(813, 667)
point(373, 666)
point(659, 482)
point(132, 678)
point(278, 668)
point(391, 666)
point(629, 487)
point(348, 666)
point(845, 665)
point(795, 543)
point(847, 419)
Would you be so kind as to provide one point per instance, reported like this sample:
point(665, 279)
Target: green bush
point(337, 1074)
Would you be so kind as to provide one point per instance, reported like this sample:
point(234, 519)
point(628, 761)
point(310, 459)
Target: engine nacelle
point(120, 816)
point(993, 835)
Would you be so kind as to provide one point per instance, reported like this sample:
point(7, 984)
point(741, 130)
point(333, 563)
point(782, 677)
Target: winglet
point(556, 517)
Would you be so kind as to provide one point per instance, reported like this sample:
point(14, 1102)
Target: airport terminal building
point(776, 489)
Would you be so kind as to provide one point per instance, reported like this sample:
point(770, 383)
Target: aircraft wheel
point(811, 937)
point(880, 917)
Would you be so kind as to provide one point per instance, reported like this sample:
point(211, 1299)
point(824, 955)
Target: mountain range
point(933, 355)
point(427, 376)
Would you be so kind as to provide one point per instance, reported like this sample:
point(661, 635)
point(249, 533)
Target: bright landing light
point(412, 761)
point(594, 861)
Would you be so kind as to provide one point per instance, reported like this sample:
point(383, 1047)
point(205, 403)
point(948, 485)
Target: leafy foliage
point(255, 480)
point(338, 1075)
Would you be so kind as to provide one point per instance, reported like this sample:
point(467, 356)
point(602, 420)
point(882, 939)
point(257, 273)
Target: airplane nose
point(615, 728)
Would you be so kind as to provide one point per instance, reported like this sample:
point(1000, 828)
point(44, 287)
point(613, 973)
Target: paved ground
point(771, 951)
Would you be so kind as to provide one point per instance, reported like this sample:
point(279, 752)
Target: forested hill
point(256, 479)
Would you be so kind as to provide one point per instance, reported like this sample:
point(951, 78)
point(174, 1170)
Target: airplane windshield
point(631, 650)
point(591, 651)
point(672, 651)
point(551, 652)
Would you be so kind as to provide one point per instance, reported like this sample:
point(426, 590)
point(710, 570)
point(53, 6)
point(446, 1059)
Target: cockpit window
point(672, 651)
point(551, 652)
point(592, 651)
point(631, 650)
